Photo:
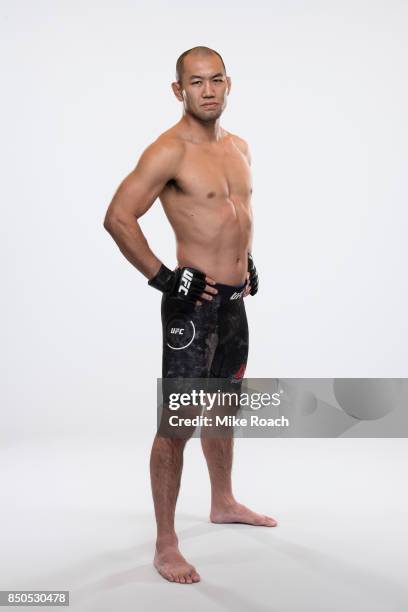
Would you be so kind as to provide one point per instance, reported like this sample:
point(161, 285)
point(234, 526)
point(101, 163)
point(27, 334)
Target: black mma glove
point(253, 275)
point(185, 283)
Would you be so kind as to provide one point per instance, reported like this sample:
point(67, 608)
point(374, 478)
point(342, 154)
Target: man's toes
point(168, 576)
point(189, 580)
point(182, 579)
point(269, 522)
point(195, 576)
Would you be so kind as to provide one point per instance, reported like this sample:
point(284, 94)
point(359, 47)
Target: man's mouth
point(210, 104)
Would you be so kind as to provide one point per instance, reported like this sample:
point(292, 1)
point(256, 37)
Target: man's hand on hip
point(187, 284)
point(252, 277)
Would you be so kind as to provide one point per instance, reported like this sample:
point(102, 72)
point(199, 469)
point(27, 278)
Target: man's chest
point(212, 172)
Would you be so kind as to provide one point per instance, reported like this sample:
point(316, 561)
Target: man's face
point(204, 88)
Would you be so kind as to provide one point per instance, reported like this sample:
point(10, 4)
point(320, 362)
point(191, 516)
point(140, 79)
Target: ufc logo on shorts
point(236, 295)
point(177, 330)
point(186, 279)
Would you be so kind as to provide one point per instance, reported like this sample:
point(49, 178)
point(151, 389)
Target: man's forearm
point(132, 243)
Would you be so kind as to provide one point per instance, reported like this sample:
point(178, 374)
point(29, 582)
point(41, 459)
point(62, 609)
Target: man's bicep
point(138, 191)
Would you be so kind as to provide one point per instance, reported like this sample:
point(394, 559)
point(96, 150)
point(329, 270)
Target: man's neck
point(202, 131)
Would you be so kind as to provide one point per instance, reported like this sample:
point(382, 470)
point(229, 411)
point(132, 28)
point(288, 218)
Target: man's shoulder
point(167, 147)
point(240, 143)
point(170, 141)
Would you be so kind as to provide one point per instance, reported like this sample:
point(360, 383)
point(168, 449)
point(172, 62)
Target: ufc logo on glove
point(185, 281)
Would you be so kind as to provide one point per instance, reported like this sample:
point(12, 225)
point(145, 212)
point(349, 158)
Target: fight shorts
point(207, 341)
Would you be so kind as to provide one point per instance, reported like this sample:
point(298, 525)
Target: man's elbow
point(107, 222)
point(111, 222)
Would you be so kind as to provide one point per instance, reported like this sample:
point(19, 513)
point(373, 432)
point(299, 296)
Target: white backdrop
point(319, 91)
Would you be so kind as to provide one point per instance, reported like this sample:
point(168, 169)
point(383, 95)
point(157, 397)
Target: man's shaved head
point(198, 51)
point(202, 84)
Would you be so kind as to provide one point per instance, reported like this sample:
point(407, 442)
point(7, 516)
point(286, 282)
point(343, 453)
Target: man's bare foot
point(171, 564)
point(237, 513)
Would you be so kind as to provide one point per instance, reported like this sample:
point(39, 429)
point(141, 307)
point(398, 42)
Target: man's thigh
point(189, 338)
point(189, 341)
point(231, 353)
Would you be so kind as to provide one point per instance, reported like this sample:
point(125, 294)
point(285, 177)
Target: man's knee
point(171, 443)
point(177, 426)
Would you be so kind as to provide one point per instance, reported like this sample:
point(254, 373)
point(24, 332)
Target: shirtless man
point(201, 173)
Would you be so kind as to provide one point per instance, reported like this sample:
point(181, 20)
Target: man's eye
point(196, 82)
point(218, 80)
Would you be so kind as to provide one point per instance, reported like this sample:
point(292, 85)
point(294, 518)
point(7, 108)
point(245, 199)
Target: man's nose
point(208, 91)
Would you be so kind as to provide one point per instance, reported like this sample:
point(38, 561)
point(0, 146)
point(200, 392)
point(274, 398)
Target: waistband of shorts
point(229, 292)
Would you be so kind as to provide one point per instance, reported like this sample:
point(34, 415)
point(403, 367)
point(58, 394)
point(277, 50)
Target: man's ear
point(176, 87)
point(228, 84)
